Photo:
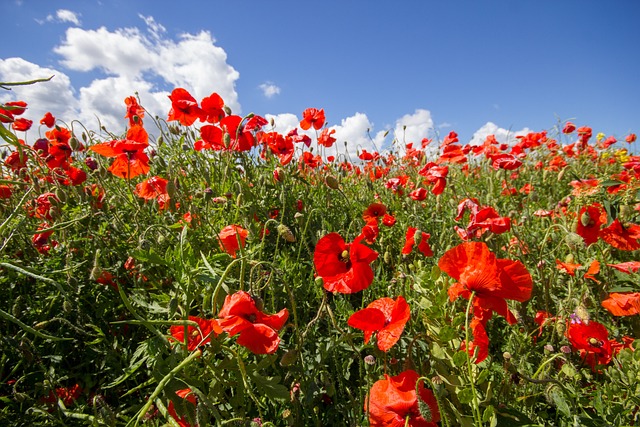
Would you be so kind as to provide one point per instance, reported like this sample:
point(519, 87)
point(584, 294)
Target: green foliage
point(95, 308)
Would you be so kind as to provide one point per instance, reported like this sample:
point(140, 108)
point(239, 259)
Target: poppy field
point(205, 268)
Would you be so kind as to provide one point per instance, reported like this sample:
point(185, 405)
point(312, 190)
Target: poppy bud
point(227, 110)
point(226, 139)
point(285, 233)
point(582, 313)
point(74, 144)
point(54, 212)
point(625, 212)
point(585, 219)
point(67, 306)
point(173, 306)
point(318, 281)
point(18, 306)
point(332, 182)
point(278, 175)
point(61, 194)
point(171, 188)
point(424, 409)
point(561, 174)
point(174, 130)
point(387, 257)
point(417, 237)
point(569, 259)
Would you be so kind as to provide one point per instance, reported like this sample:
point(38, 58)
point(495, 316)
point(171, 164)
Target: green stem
point(163, 382)
point(476, 406)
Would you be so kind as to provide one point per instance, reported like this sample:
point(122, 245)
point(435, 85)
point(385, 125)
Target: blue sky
point(476, 67)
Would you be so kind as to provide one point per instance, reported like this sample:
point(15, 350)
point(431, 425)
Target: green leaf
point(270, 387)
point(465, 395)
point(460, 358)
point(447, 333)
point(149, 256)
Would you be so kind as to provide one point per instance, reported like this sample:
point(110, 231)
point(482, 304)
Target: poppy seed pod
point(332, 182)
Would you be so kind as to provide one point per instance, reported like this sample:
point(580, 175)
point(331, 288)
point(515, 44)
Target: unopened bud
point(285, 233)
point(332, 182)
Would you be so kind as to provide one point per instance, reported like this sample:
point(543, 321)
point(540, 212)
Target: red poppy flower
point(240, 139)
point(130, 159)
point(196, 336)
point(212, 110)
point(370, 231)
point(393, 402)
point(21, 124)
point(48, 120)
point(569, 128)
point(279, 145)
point(590, 219)
point(58, 135)
point(627, 267)
point(594, 268)
point(621, 237)
point(258, 331)
point(16, 161)
point(631, 138)
point(135, 112)
point(344, 268)
point(151, 188)
point(385, 317)
point(5, 191)
point(568, 267)
point(325, 138)
point(232, 237)
point(374, 211)
point(419, 194)
point(68, 395)
point(310, 160)
point(17, 107)
point(189, 406)
point(493, 280)
point(435, 175)
point(312, 117)
point(414, 235)
point(623, 304)
point(388, 220)
point(592, 341)
point(184, 107)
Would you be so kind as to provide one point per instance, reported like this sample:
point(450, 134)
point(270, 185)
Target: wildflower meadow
point(205, 268)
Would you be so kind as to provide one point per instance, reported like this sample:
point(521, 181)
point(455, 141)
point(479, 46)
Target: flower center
point(344, 256)
point(594, 342)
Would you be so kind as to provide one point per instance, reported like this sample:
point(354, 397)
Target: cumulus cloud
point(127, 61)
point(64, 15)
point(269, 89)
point(56, 95)
point(502, 135)
point(412, 128)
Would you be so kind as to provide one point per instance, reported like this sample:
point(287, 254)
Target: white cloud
point(56, 96)
point(502, 135)
point(411, 128)
point(146, 62)
point(283, 123)
point(269, 89)
point(63, 15)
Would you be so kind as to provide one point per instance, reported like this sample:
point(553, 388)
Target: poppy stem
point(475, 405)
